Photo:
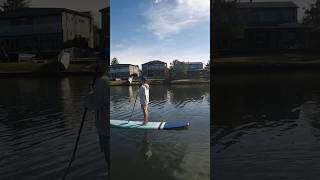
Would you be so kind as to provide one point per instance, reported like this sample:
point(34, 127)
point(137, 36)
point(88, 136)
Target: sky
point(145, 30)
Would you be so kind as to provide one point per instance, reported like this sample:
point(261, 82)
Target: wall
point(75, 25)
point(30, 25)
point(105, 34)
point(268, 16)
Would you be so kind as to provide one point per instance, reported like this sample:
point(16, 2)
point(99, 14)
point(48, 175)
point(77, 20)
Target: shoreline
point(227, 67)
point(267, 63)
point(111, 83)
point(161, 82)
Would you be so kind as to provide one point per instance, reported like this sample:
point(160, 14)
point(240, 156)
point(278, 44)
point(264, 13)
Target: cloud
point(157, 1)
point(119, 45)
point(169, 17)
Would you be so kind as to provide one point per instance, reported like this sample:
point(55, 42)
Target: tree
point(226, 25)
point(114, 61)
point(178, 69)
point(312, 15)
point(312, 18)
point(206, 70)
point(78, 41)
point(13, 5)
point(207, 67)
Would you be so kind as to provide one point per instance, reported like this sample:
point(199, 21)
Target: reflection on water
point(146, 146)
point(266, 126)
point(154, 154)
point(39, 120)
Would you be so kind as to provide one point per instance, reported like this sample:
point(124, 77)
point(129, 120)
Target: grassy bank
point(162, 82)
point(125, 82)
point(269, 63)
point(22, 67)
point(31, 68)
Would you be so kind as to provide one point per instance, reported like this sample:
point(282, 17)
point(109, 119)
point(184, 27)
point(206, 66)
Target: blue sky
point(144, 30)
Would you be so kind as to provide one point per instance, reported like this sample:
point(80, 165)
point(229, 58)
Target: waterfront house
point(123, 71)
point(43, 31)
point(194, 69)
point(271, 26)
point(96, 37)
point(155, 68)
point(105, 25)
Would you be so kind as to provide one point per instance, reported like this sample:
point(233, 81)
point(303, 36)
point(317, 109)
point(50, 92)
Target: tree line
point(8, 6)
point(177, 68)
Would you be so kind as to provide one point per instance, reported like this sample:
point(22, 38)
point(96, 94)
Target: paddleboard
point(150, 125)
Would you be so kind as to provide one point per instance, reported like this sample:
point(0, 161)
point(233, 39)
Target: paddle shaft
point(133, 105)
point(76, 145)
point(80, 129)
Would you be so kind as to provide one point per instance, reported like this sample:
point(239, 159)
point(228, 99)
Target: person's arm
point(97, 97)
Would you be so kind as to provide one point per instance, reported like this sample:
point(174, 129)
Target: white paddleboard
point(150, 125)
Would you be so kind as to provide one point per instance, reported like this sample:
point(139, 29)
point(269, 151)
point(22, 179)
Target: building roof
point(104, 9)
point(283, 4)
point(155, 62)
point(117, 65)
point(30, 12)
point(193, 63)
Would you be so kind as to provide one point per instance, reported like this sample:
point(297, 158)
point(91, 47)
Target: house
point(314, 39)
point(155, 68)
point(194, 69)
point(96, 37)
point(43, 31)
point(105, 25)
point(271, 26)
point(123, 71)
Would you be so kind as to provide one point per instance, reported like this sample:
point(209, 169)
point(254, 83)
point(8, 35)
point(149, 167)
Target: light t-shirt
point(144, 94)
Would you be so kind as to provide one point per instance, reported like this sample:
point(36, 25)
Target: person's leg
point(145, 114)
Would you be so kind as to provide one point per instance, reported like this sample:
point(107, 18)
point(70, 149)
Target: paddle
point(80, 129)
point(77, 142)
point(133, 106)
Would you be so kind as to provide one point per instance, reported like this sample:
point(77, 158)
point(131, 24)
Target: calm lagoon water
point(153, 154)
point(40, 117)
point(266, 126)
point(39, 121)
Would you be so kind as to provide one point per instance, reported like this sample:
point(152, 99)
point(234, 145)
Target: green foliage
point(207, 67)
point(78, 41)
point(12, 5)
point(226, 24)
point(312, 15)
point(178, 69)
point(114, 61)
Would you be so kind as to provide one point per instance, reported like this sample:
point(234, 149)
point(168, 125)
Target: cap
point(143, 78)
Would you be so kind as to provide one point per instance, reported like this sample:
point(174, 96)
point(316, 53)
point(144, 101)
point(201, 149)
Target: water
point(266, 126)
point(153, 154)
point(39, 121)
point(40, 117)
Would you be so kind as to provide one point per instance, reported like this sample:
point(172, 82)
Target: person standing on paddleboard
point(144, 98)
point(97, 100)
